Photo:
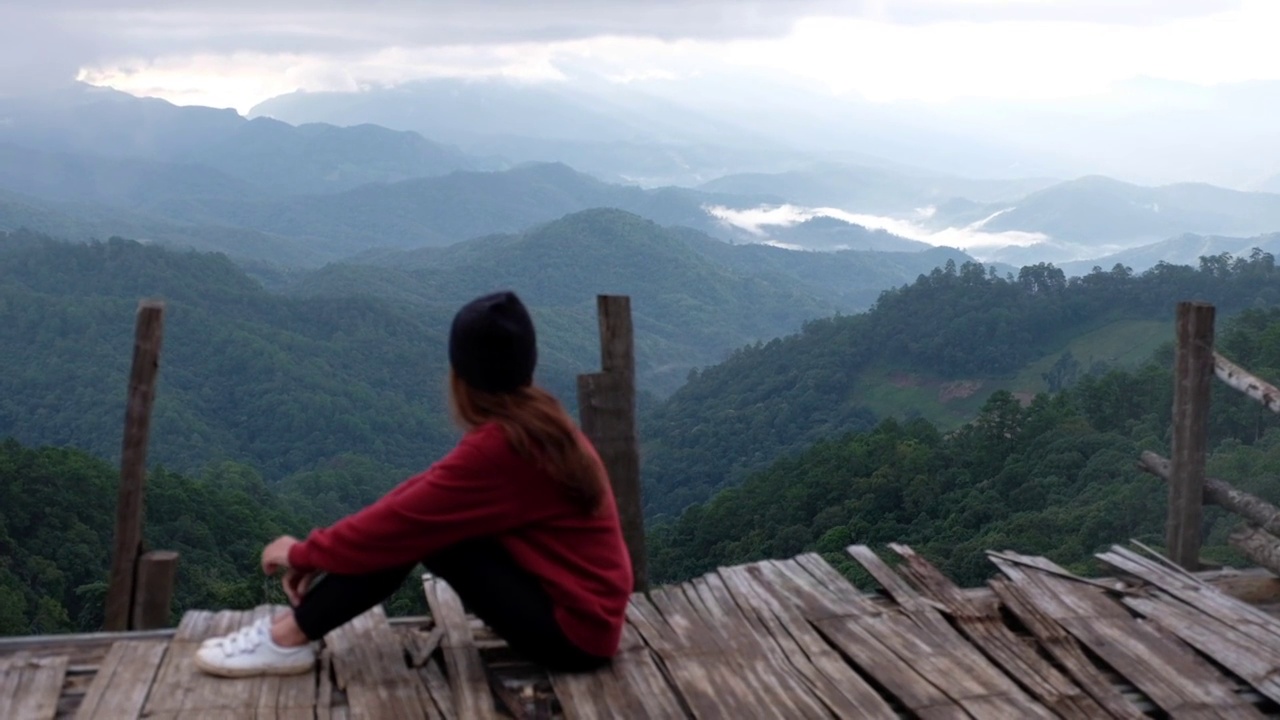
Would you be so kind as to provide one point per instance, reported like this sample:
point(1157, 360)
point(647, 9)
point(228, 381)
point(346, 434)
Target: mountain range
point(694, 297)
point(1098, 210)
point(87, 162)
point(694, 127)
point(1186, 249)
point(271, 156)
point(1020, 222)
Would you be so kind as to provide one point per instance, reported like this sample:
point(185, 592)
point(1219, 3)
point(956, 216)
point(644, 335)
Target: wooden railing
point(1195, 364)
point(607, 411)
point(140, 591)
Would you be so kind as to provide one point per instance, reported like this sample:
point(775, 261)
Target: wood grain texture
point(1054, 639)
point(123, 681)
point(634, 685)
point(837, 684)
point(30, 686)
point(369, 665)
point(1193, 375)
point(1175, 678)
point(467, 676)
point(155, 574)
point(607, 413)
point(983, 625)
point(1246, 382)
point(148, 334)
point(777, 638)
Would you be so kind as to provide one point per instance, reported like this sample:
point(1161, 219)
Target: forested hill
point(694, 298)
point(688, 310)
point(1056, 478)
point(951, 337)
point(352, 358)
point(276, 382)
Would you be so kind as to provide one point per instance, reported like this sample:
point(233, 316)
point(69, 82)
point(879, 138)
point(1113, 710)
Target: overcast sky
point(235, 53)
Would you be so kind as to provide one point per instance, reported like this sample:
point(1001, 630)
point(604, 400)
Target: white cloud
point(1022, 59)
point(758, 220)
point(235, 52)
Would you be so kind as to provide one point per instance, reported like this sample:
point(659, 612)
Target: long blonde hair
point(539, 429)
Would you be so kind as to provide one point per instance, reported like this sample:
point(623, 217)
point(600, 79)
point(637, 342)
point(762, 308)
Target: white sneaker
point(250, 651)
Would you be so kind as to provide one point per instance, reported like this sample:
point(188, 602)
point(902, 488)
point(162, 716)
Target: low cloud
point(757, 221)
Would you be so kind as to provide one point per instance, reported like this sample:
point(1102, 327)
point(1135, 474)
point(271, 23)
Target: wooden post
point(153, 591)
point(1193, 373)
point(133, 460)
point(607, 410)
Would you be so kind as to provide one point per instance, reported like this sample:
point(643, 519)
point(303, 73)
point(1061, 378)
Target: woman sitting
point(518, 518)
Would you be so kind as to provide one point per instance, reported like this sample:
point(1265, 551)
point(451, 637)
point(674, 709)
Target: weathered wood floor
point(775, 639)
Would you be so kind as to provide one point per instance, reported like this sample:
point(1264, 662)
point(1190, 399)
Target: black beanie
point(492, 345)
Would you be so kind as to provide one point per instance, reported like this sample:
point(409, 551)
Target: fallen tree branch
point(1244, 381)
point(1262, 548)
point(1257, 511)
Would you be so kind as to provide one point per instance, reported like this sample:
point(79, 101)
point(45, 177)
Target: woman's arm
point(470, 493)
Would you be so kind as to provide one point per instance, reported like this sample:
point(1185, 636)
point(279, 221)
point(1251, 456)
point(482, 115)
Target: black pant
point(501, 593)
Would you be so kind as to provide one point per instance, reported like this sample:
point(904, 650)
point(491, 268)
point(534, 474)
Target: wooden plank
point(607, 413)
point(632, 686)
point(148, 334)
point(1258, 663)
point(711, 679)
point(832, 679)
point(690, 653)
point(153, 590)
point(950, 662)
point(982, 623)
point(421, 646)
point(10, 672)
point(1242, 638)
point(873, 648)
point(437, 689)
point(30, 686)
point(1064, 648)
point(178, 674)
point(1195, 592)
point(785, 692)
point(123, 681)
point(1167, 671)
point(368, 663)
point(467, 676)
point(324, 689)
point(1193, 375)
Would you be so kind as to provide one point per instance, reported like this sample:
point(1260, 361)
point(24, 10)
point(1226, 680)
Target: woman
point(519, 519)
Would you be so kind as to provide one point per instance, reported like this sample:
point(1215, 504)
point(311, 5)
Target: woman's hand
point(276, 555)
point(296, 585)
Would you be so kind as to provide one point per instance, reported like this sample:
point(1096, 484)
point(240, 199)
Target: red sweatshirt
point(484, 489)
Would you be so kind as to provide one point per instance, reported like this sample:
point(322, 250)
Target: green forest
point(1057, 477)
point(57, 511)
point(956, 323)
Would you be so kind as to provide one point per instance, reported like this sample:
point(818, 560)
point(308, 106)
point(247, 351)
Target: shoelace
point(246, 639)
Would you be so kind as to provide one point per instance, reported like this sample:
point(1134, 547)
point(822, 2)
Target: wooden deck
point(775, 639)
